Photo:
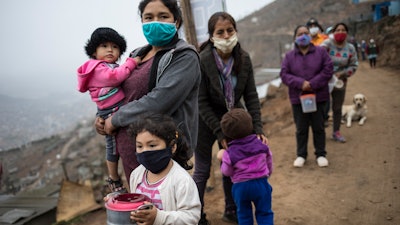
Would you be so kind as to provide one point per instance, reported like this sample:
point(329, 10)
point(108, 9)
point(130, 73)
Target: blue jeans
point(111, 145)
point(258, 192)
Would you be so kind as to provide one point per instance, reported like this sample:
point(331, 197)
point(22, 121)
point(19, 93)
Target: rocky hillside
point(386, 33)
point(261, 34)
point(268, 33)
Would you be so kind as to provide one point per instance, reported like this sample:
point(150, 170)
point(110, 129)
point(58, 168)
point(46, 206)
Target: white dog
point(357, 111)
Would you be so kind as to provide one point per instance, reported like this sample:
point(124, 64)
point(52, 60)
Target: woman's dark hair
point(236, 53)
point(103, 35)
point(297, 28)
point(163, 127)
point(338, 24)
point(172, 5)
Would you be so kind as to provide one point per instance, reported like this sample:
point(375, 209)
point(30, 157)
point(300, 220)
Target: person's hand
point(224, 144)
point(263, 138)
point(144, 216)
point(111, 195)
point(99, 125)
point(306, 86)
point(220, 154)
point(137, 59)
point(338, 75)
point(108, 127)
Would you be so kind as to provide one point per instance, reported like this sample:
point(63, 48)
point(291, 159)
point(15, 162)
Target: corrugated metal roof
point(18, 210)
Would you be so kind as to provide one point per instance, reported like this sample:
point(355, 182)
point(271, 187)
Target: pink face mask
point(340, 37)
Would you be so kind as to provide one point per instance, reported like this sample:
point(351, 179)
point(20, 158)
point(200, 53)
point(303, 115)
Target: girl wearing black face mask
point(345, 63)
point(162, 153)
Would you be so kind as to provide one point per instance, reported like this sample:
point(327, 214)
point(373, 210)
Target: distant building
point(382, 9)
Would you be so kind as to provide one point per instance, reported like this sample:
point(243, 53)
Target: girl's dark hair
point(338, 24)
point(102, 35)
point(297, 28)
point(236, 53)
point(163, 126)
point(172, 5)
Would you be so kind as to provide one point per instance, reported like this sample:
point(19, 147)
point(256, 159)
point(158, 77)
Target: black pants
point(337, 101)
point(303, 121)
point(202, 166)
point(372, 62)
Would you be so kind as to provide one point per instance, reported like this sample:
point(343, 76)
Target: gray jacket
point(175, 93)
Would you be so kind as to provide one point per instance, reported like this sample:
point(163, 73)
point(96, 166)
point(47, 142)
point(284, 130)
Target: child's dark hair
point(102, 35)
point(163, 126)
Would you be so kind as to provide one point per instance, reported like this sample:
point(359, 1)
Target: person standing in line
point(227, 77)
point(329, 32)
point(167, 81)
point(316, 32)
point(102, 77)
point(345, 63)
point(248, 162)
point(317, 37)
point(307, 69)
point(354, 42)
point(372, 52)
point(363, 50)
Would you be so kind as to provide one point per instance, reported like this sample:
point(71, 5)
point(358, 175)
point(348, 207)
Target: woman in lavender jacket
point(307, 69)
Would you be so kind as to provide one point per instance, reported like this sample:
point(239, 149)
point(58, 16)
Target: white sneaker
point(322, 161)
point(299, 162)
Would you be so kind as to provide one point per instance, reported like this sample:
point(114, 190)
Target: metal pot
point(119, 207)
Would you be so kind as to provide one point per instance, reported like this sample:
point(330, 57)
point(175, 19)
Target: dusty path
point(361, 186)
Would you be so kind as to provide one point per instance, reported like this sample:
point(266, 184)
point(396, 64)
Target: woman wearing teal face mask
point(167, 81)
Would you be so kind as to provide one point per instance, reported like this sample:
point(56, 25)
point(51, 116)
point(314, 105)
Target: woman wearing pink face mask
point(345, 63)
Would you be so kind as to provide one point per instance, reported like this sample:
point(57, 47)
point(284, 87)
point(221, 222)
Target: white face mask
point(225, 45)
point(314, 30)
point(331, 36)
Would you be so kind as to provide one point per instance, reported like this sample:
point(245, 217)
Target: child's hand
point(110, 195)
point(144, 216)
point(137, 59)
point(224, 143)
point(220, 154)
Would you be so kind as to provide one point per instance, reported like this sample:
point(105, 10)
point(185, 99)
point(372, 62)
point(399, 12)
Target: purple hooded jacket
point(247, 159)
point(315, 66)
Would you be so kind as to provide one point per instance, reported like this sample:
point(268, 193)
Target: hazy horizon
point(44, 40)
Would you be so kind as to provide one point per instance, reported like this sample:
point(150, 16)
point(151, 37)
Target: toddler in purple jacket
point(249, 164)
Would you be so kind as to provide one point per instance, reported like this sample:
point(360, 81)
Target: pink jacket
point(103, 81)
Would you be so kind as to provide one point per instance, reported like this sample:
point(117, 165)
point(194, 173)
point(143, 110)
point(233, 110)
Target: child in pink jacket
point(102, 77)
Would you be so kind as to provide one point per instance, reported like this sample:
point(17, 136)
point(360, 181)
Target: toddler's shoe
point(322, 161)
point(299, 162)
point(336, 136)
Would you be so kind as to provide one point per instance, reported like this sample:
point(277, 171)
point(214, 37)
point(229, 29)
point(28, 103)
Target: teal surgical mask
point(159, 33)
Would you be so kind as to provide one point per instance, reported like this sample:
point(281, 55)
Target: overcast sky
point(42, 40)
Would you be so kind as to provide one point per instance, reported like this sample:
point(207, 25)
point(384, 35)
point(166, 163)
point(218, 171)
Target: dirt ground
point(361, 186)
